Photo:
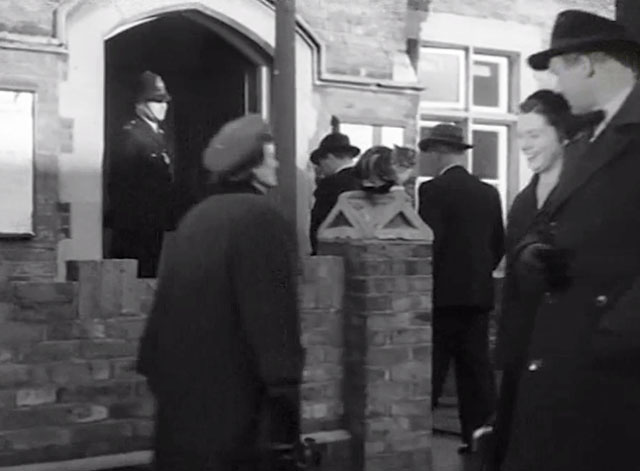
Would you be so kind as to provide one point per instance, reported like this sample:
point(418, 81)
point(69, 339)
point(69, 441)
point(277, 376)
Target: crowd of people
point(568, 341)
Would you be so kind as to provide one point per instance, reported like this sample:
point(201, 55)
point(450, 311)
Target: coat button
point(602, 300)
point(548, 298)
point(534, 365)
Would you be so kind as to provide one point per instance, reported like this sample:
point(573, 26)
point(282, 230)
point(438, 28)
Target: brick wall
point(537, 12)
point(388, 345)
point(67, 353)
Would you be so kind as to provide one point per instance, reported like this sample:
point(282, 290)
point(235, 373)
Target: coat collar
point(592, 157)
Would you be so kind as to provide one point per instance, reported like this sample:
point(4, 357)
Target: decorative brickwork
point(387, 328)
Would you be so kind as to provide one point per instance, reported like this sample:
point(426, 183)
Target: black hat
point(151, 87)
point(236, 142)
point(581, 31)
point(334, 143)
point(448, 134)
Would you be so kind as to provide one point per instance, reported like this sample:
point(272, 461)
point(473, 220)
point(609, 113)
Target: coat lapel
point(588, 158)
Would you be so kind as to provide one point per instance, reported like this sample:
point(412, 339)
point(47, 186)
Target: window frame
point(471, 115)
point(463, 98)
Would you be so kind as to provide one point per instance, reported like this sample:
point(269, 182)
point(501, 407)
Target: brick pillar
point(387, 387)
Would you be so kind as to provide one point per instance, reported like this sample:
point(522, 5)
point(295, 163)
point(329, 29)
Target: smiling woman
point(542, 130)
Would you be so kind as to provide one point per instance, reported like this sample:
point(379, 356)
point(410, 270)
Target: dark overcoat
point(519, 300)
point(326, 195)
point(579, 398)
point(140, 180)
point(465, 215)
point(222, 342)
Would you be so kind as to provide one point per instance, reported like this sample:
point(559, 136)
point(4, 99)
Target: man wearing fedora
point(221, 349)
point(465, 215)
point(334, 161)
point(579, 406)
point(140, 180)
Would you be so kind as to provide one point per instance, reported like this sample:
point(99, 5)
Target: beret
point(235, 143)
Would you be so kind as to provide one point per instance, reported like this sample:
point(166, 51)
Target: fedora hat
point(334, 143)
point(581, 31)
point(448, 134)
point(235, 144)
point(151, 87)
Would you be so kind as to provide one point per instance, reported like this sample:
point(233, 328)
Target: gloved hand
point(550, 262)
point(532, 256)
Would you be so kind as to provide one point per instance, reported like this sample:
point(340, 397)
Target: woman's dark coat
point(223, 337)
point(578, 405)
point(521, 295)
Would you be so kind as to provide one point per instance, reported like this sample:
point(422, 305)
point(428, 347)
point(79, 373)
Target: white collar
point(611, 109)
point(154, 126)
point(448, 167)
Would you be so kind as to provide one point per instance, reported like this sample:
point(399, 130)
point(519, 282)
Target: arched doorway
point(213, 74)
point(83, 26)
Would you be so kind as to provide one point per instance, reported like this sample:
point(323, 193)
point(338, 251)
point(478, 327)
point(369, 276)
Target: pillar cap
point(361, 216)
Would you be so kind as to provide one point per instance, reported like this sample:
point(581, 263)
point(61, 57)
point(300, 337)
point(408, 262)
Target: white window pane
point(16, 162)
point(392, 136)
point(360, 135)
point(490, 82)
point(489, 155)
point(442, 73)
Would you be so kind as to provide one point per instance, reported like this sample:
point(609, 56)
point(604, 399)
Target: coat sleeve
point(325, 200)
point(497, 239)
point(431, 212)
point(147, 350)
point(265, 284)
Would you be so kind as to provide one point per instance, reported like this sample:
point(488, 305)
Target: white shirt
point(610, 110)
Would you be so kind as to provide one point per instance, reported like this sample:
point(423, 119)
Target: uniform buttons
point(602, 300)
point(553, 224)
point(534, 365)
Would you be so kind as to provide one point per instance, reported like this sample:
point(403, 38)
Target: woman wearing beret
point(221, 349)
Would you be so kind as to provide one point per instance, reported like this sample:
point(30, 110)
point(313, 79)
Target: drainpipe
point(284, 105)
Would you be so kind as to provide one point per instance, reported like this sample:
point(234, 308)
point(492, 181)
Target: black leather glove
point(556, 263)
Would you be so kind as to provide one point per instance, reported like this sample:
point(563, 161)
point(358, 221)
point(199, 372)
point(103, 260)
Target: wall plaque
point(16, 163)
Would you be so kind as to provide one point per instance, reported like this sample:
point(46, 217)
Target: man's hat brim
point(540, 60)
point(424, 144)
point(321, 152)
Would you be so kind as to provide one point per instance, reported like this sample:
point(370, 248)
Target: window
point(16, 159)
point(365, 136)
point(470, 88)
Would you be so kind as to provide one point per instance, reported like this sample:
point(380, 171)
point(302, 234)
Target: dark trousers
point(141, 245)
point(461, 335)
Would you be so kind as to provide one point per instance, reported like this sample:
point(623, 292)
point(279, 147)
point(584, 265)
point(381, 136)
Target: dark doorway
point(211, 82)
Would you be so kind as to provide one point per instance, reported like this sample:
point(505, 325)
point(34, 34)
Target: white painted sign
point(16, 162)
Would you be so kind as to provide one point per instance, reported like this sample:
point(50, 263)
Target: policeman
point(140, 180)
